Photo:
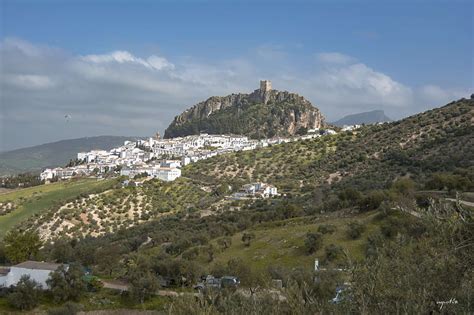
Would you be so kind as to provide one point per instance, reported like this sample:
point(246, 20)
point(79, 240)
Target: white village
point(163, 158)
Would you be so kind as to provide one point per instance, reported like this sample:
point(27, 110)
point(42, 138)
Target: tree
point(25, 294)
point(67, 283)
point(334, 252)
point(313, 242)
point(143, 286)
point(247, 237)
point(355, 230)
point(21, 246)
point(143, 281)
point(224, 242)
point(372, 200)
point(62, 251)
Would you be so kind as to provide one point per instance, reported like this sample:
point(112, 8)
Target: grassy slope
point(281, 243)
point(39, 198)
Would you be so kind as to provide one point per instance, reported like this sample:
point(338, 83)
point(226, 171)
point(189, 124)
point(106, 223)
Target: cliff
point(261, 114)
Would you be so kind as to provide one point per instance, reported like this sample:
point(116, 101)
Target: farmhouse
point(260, 190)
point(38, 271)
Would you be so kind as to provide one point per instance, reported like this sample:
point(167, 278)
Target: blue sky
point(401, 56)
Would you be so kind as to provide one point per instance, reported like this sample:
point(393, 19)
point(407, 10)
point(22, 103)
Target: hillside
point(262, 114)
point(357, 201)
point(371, 117)
point(33, 159)
point(29, 202)
point(439, 140)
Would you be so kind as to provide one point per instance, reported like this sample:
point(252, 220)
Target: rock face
point(261, 114)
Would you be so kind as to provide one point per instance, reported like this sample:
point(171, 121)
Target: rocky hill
point(371, 117)
point(261, 114)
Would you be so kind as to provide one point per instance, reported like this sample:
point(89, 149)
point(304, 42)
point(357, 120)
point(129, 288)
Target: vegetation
point(67, 284)
point(20, 246)
point(25, 294)
point(98, 214)
point(31, 202)
point(374, 207)
point(248, 116)
point(23, 180)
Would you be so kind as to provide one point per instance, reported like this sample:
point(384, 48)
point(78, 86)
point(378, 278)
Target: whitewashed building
point(167, 174)
point(47, 174)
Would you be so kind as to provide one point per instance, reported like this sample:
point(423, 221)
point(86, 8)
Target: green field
point(36, 199)
point(282, 243)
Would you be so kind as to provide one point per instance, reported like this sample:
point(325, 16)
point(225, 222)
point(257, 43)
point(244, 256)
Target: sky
point(72, 69)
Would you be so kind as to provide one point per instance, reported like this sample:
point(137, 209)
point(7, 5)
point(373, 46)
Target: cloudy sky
point(74, 69)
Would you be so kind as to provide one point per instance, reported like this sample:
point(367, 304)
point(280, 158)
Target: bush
point(372, 200)
point(247, 238)
point(25, 294)
point(355, 230)
point(67, 284)
point(334, 252)
point(327, 229)
point(313, 242)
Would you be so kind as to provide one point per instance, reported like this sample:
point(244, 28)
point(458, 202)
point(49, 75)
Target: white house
point(38, 271)
point(166, 173)
point(47, 174)
point(256, 190)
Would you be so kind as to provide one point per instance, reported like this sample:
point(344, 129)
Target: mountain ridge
point(369, 117)
point(57, 153)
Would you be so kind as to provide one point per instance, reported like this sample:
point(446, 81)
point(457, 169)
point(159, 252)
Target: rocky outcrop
point(263, 113)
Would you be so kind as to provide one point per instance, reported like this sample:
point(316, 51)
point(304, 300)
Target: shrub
point(313, 242)
point(355, 230)
point(333, 252)
point(327, 229)
point(25, 294)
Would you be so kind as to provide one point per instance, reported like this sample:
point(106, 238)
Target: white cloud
point(120, 93)
point(152, 62)
point(30, 81)
point(334, 58)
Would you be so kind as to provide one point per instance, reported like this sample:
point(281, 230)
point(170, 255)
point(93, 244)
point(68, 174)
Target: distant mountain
point(371, 117)
point(263, 113)
point(33, 159)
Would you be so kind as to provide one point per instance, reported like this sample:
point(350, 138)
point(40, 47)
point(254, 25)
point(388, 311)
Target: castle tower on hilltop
point(265, 89)
point(265, 86)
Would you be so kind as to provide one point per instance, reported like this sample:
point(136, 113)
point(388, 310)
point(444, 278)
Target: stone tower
point(265, 86)
point(265, 89)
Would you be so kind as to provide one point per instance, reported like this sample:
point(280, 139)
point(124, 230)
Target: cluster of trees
point(21, 180)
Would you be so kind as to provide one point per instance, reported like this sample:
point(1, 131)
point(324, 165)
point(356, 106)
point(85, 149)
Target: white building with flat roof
point(36, 270)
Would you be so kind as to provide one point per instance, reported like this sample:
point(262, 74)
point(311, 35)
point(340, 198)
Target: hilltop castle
point(265, 89)
point(265, 86)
